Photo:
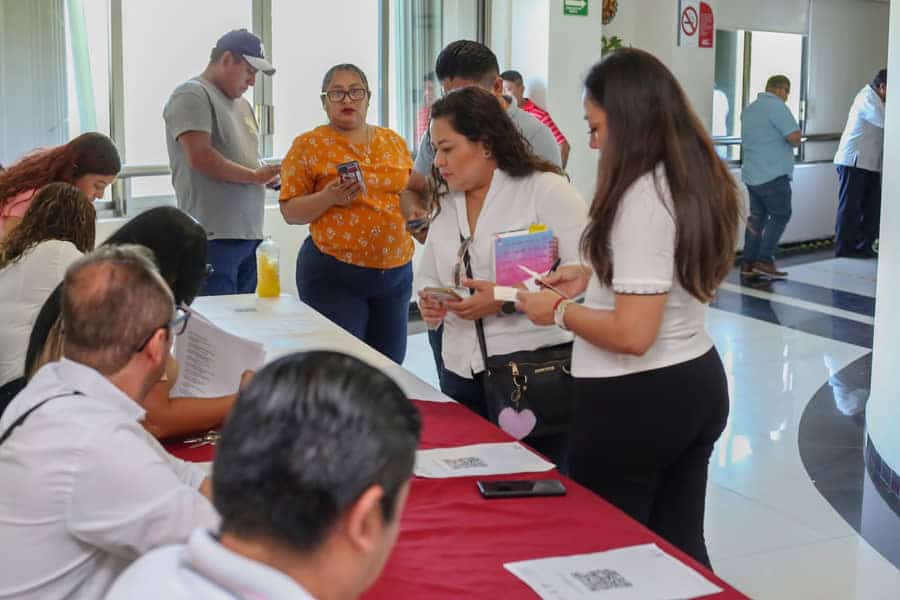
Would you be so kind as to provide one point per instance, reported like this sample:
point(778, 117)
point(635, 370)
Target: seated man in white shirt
point(311, 476)
point(86, 489)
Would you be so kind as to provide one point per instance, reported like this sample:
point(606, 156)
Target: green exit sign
point(576, 8)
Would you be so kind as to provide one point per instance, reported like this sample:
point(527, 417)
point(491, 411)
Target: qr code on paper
point(469, 462)
point(602, 579)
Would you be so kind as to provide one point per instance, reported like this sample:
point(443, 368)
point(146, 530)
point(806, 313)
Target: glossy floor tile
point(854, 275)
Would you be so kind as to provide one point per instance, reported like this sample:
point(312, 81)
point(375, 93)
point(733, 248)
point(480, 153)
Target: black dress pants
point(859, 211)
point(643, 441)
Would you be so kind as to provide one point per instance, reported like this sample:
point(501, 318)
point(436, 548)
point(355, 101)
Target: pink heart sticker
point(515, 423)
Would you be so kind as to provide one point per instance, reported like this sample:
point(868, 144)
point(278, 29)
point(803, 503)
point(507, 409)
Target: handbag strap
point(18, 422)
point(479, 323)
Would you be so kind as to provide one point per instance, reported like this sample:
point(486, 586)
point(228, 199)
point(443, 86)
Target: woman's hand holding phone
point(432, 309)
point(343, 193)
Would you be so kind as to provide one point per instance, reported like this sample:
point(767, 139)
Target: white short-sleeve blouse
point(642, 242)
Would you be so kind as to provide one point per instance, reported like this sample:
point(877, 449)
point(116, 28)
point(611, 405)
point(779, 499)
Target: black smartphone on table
point(521, 488)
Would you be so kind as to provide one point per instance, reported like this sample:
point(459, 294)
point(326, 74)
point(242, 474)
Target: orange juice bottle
point(268, 283)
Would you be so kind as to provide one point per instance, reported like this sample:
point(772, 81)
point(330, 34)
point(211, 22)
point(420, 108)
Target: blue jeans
point(234, 264)
point(770, 211)
point(468, 392)
point(372, 304)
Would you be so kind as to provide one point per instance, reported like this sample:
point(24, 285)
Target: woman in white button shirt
point(488, 182)
point(651, 393)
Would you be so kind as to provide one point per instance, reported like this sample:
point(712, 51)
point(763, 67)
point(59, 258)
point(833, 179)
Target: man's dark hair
point(112, 299)
point(778, 82)
point(309, 434)
point(467, 60)
point(512, 77)
point(879, 79)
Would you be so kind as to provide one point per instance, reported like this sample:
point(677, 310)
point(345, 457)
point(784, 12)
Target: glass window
point(165, 43)
point(415, 41)
point(307, 39)
point(54, 65)
point(744, 62)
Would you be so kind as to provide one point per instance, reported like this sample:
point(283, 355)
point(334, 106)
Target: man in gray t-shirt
point(213, 143)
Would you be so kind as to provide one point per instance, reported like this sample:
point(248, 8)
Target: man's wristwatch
point(508, 308)
point(559, 313)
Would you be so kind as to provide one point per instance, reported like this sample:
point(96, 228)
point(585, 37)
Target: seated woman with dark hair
point(178, 243)
point(55, 231)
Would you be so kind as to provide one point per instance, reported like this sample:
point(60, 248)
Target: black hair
point(309, 434)
point(513, 77)
point(468, 60)
point(475, 113)
point(879, 79)
point(178, 243)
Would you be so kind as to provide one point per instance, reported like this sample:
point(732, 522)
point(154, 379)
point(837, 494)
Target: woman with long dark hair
point(90, 162)
point(178, 244)
point(651, 393)
point(488, 182)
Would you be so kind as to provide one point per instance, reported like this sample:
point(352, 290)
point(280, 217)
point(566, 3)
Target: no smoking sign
point(695, 24)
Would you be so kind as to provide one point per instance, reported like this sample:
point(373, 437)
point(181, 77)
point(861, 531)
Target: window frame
point(263, 97)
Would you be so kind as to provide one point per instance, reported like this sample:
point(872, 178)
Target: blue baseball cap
point(248, 45)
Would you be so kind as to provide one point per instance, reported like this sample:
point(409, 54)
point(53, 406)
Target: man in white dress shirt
point(86, 489)
point(858, 162)
point(310, 477)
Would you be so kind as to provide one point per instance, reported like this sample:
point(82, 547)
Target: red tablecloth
point(453, 543)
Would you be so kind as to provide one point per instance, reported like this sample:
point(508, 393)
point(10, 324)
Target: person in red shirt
point(423, 117)
point(514, 85)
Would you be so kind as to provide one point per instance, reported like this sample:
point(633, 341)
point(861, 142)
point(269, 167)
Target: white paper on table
point(211, 360)
point(479, 459)
point(635, 573)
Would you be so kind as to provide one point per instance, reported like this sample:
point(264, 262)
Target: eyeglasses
point(461, 267)
point(356, 94)
point(176, 325)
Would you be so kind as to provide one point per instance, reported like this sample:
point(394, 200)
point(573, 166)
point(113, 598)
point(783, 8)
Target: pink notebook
point(514, 248)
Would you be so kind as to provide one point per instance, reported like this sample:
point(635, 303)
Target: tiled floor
point(770, 532)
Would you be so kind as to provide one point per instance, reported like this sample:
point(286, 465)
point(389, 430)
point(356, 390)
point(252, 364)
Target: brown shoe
point(747, 270)
point(768, 269)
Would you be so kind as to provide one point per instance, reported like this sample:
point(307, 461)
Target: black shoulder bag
point(529, 394)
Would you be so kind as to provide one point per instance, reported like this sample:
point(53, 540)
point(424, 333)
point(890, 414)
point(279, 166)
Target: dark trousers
point(372, 304)
point(643, 442)
point(470, 393)
point(234, 267)
point(859, 210)
point(770, 211)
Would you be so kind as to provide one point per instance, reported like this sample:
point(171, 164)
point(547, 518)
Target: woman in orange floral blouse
point(355, 266)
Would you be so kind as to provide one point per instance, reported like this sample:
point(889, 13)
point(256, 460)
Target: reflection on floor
point(771, 532)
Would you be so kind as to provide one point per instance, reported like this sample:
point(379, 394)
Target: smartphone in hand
point(441, 294)
point(351, 171)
